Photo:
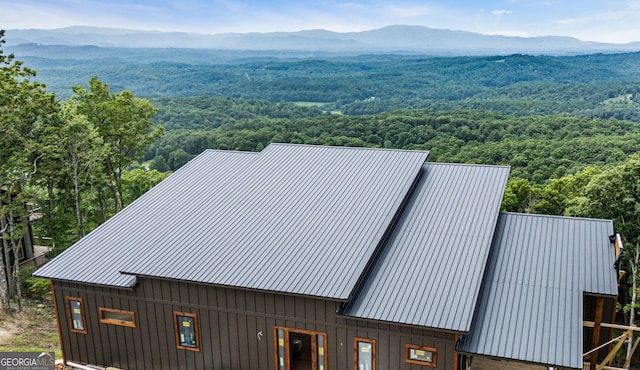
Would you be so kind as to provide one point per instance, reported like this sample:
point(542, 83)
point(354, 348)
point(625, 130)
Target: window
point(75, 314)
point(425, 356)
point(364, 354)
point(300, 349)
point(117, 317)
point(186, 325)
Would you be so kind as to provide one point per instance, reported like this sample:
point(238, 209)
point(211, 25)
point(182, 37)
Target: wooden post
point(456, 365)
point(613, 320)
point(595, 339)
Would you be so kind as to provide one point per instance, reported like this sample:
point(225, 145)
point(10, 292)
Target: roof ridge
point(555, 216)
point(348, 147)
point(468, 165)
point(216, 150)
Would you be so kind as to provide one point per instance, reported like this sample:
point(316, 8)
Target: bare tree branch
point(35, 164)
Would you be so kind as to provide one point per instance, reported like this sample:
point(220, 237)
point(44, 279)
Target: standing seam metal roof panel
point(430, 270)
point(98, 257)
point(261, 236)
point(294, 218)
point(531, 304)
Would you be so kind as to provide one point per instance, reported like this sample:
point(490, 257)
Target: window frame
point(434, 352)
point(177, 332)
point(67, 300)
point(314, 345)
point(356, 352)
point(103, 320)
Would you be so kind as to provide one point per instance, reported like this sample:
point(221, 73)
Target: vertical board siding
point(229, 321)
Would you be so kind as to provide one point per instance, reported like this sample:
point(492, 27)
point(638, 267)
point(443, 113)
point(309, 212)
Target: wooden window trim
point(67, 299)
point(314, 345)
point(355, 351)
point(195, 323)
point(456, 355)
point(433, 363)
point(131, 324)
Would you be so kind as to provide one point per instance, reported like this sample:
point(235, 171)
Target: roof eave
point(123, 287)
point(565, 366)
point(329, 298)
point(410, 325)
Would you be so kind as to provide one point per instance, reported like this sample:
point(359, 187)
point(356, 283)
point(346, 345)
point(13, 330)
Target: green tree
point(26, 107)
point(560, 194)
point(178, 158)
point(159, 163)
point(83, 152)
point(137, 182)
point(615, 194)
point(519, 196)
point(124, 123)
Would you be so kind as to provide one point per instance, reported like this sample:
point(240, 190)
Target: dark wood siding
point(230, 321)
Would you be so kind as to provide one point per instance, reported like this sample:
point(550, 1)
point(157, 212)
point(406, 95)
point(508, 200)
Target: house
point(26, 251)
point(311, 257)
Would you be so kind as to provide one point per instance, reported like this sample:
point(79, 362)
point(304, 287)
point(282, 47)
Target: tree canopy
point(26, 109)
point(65, 158)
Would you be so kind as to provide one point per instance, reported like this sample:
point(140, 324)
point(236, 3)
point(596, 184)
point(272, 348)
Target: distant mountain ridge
point(390, 39)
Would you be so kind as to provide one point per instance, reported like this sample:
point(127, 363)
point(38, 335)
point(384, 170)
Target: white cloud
point(499, 12)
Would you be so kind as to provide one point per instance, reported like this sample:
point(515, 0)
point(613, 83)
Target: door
point(300, 349)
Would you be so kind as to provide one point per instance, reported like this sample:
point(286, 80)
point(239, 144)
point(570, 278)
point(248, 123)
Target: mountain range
point(391, 39)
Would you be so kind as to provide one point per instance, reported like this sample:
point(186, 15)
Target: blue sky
point(591, 20)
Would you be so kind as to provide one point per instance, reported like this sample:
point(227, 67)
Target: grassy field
point(315, 104)
point(309, 104)
point(32, 330)
point(626, 98)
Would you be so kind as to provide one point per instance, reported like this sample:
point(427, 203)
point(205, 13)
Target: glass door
point(300, 349)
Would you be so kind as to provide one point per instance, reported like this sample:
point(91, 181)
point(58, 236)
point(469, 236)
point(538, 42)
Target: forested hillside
point(600, 85)
point(536, 147)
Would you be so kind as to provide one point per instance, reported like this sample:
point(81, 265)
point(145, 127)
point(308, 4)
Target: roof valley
point(384, 240)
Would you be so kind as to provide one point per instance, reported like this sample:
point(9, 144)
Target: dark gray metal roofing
point(295, 218)
point(531, 304)
point(98, 257)
point(429, 273)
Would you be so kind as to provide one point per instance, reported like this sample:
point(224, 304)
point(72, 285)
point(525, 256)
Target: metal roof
point(430, 271)
point(294, 218)
point(531, 305)
point(98, 257)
